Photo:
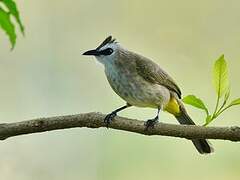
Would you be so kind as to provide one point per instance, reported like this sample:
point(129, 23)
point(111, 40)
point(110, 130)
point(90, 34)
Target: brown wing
point(151, 72)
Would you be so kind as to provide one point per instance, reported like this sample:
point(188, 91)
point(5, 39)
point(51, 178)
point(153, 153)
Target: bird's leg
point(151, 122)
point(108, 119)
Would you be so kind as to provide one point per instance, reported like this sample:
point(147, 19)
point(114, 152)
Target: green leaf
point(196, 102)
point(235, 102)
point(220, 76)
point(12, 7)
point(7, 26)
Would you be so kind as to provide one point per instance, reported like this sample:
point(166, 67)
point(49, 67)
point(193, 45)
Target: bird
point(141, 82)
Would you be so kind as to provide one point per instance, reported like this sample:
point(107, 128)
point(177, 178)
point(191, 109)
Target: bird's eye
point(107, 51)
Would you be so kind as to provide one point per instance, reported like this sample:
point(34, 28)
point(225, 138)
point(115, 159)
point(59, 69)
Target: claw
point(150, 123)
point(108, 119)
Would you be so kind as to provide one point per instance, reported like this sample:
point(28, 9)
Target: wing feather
point(151, 72)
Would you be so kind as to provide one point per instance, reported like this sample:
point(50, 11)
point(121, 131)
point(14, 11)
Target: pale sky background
point(46, 75)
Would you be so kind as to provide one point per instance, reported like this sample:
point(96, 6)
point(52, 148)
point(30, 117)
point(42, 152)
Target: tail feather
point(202, 145)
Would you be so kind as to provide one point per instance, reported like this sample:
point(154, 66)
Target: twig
point(95, 120)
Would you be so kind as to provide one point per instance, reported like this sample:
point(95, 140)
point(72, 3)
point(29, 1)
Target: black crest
point(108, 40)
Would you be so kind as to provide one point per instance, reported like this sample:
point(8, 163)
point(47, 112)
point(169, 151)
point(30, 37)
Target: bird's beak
point(93, 52)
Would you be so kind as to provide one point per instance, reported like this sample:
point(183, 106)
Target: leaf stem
point(216, 108)
point(222, 110)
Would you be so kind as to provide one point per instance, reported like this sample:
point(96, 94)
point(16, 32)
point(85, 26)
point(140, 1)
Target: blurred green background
point(46, 75)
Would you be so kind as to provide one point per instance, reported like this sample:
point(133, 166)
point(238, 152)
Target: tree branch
point(95, 120)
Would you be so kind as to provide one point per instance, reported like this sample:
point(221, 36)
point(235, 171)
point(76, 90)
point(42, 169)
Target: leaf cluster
point(222, 88)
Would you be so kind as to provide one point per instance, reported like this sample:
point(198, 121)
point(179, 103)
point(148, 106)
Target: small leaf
point(235, 102)
point(7, 26)
point(220, 76)
point(196, 102)
point(12, 7)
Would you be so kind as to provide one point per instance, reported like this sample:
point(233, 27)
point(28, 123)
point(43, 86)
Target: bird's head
point(106, 52)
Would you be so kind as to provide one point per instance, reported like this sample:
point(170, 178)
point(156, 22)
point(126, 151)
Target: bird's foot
point(150, 123)
point(109, 118)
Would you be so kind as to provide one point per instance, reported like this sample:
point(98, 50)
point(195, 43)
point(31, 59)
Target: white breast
point(134, 89)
